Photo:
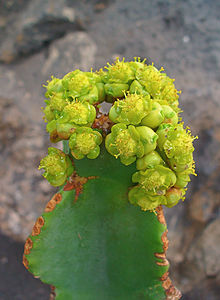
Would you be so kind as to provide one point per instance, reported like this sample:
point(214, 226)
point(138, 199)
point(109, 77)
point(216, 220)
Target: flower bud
point(170, 116)
point(116, 90)
point(101, 91)
point(168, 91)
point(162, 134)
point(182, 180)
point(149, 160)
point(148, 138)
point(173, 196)
point(48, 114)
point(137, 88)
point(155, 117)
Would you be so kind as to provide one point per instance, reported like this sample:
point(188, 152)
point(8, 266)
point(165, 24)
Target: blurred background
point(40, 38)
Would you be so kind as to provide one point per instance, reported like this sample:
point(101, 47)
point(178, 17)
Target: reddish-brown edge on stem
point(75, 182)
point(172, 293)
point(53, 202)
point(52, 292)
point(37, 227)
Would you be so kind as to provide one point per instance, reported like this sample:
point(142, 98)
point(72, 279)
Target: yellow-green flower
point(78, 113)
point(74, 114)
point(158, 85)
point(150, 78)
point(57, 99)
point(131, 110)
point(138, 196)
point(85, 86)
point(124, 142)
point(155, 181)
point(85, 142)
point(119, 72)
point(176, 143)
point(57, 166)
point(130, 142)
point(53, 86)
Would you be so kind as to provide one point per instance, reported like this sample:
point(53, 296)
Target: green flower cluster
point(70, 102)
point(176, 144)
point(70, 112)
point(138, 77)
point(57, 166)
point(74, 114)
point(149, 105)
point(156, 182)
point(164, 174)
point(146, 126)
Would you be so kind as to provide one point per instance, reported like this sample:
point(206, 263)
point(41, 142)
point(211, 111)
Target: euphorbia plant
point(103, 235)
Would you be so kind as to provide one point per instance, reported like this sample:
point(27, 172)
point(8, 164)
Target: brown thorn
point(160, 255)
point(37, 226)
point(25, 262)
point(171, 292)
point(167, 283)
point(165, 241)
point(160, 215)
point(163, 263)
point(53, 202)
point(28, 246)
point(52, 293)
point(164, 276)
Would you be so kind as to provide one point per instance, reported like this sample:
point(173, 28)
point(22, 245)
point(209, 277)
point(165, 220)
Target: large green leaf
point(98, 246)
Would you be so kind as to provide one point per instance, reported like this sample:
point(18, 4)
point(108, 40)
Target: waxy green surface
point(100, 247)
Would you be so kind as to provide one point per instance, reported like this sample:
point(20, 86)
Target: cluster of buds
point(146, 128)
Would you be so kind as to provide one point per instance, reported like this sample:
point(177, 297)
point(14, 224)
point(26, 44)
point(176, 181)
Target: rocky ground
point(39, 38)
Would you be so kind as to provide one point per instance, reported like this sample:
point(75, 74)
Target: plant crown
point(143, 127)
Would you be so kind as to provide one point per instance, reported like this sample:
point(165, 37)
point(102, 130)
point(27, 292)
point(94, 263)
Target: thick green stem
point(98, 245)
